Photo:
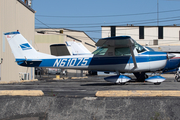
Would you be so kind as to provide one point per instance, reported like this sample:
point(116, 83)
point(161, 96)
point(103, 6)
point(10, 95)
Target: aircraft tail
point(20, 47)
point(77, 48)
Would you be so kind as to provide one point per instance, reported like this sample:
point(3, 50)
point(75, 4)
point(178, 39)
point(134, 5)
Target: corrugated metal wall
point(14, 16)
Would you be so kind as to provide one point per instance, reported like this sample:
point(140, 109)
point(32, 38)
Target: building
point(153, 36)
point(44, 38)
point(14, 15)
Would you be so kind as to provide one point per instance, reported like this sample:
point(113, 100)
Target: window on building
point(141, 32)
point(160, 32)
point(113, 31)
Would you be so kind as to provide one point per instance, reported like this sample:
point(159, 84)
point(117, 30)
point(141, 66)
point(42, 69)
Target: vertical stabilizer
point(20, 46)
point(78, 48)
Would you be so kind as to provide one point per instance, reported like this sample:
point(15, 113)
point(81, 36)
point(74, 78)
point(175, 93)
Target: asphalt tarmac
point(87, 87)
point(74, 99)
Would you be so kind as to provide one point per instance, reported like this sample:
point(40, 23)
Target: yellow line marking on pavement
point(137, 93)
point(22, 81)
point(21, 92)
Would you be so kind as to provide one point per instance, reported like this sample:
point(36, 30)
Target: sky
point(90, 15)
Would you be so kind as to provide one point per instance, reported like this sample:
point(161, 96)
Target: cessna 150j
point(117, 54)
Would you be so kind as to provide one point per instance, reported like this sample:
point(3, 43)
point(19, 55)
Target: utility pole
point(157, 12)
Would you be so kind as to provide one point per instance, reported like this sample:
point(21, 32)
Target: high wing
point(120, 41)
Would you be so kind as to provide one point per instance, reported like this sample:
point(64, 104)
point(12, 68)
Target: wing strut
point(132, 53)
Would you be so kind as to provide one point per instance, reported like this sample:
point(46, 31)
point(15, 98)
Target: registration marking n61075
point(63, 62)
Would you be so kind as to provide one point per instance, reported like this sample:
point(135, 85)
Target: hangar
point(15, 15)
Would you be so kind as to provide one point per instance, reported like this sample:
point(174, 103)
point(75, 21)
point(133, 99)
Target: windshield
point(119, 51)
point(139, 48)
point(100, 51)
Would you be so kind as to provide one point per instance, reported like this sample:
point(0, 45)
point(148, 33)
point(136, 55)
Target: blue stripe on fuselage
point(95, 60)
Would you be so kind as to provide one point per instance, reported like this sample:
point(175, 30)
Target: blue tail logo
point(25, 46)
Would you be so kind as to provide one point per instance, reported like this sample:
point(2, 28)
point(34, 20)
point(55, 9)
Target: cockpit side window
point(123, 51)
point(100, 51)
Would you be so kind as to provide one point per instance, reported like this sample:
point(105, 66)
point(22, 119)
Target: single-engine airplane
point(119, 54)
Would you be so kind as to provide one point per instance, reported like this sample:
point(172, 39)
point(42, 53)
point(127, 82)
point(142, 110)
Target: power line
point(124, 33)
point(132, 22)
point(140, 23)
point(134, 27)
point(42, 23)
point(55, 29)
point(99, 16)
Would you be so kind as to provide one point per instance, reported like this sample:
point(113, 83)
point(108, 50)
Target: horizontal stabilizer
point(29, 60)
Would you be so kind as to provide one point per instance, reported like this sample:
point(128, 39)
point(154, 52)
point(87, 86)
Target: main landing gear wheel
point(157, 83)
point(177, 77)
point(120, 83)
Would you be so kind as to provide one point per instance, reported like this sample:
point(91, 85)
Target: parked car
point(53, 71)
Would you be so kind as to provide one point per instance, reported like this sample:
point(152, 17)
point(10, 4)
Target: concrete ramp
point(137, 93)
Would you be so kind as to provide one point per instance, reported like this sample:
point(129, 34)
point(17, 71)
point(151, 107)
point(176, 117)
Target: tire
point(157, 83)
point(121, 83)
point(177, 78)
